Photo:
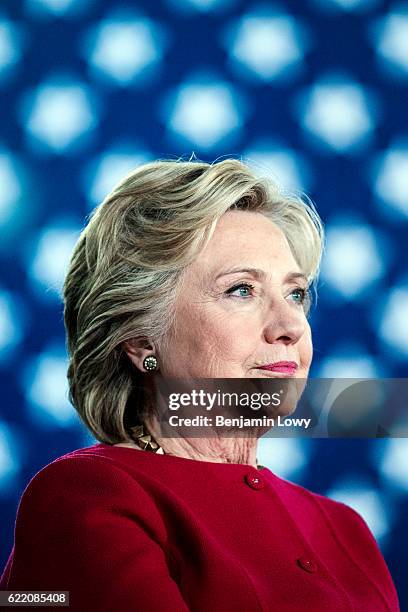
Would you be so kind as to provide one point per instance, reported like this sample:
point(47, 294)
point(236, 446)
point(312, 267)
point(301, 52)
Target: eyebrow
point(257, 273)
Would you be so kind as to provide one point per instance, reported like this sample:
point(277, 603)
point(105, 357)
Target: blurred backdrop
point(313, 92)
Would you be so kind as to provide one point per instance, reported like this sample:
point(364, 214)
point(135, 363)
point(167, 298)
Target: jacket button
point(307, 564)
point(254, 481)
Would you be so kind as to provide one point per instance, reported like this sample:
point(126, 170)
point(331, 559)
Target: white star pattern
point(60, 114)
point(393, 328)
point(204, 113)
point(391, 182)
point(392, 40)
point(268, 46)
point(338, 114)
point(124, 48)
point(51, 258)
point(352, 260)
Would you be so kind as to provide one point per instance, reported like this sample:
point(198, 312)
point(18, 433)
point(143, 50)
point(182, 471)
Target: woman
point(188, 271)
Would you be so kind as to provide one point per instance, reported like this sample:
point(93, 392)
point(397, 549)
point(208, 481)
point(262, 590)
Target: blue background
point(313, 93)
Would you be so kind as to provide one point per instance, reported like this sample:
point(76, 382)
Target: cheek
point(221, 335)
point(229, 337)
point(206, 340)
point(306, 347)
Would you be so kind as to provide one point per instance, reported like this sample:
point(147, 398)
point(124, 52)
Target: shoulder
point(333, 510)
point(353, 534)
point(81, 486)
point(88, 467)
point(345, 524)
point(347, 528)
point(79, 470)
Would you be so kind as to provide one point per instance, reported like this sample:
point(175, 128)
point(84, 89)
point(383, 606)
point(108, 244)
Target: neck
point(214, 449)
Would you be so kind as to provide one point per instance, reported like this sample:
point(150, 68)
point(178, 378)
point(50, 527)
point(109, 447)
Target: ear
point(137, 349)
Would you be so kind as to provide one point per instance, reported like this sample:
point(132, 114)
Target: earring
point(150, 363)
point(145, 440)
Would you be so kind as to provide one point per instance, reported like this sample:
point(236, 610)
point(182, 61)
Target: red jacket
point(128, 530)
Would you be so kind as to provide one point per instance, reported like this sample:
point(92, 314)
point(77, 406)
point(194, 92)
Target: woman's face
point(240, 306)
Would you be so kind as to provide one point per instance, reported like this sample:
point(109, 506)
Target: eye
point(243, 290)
point(302, 297)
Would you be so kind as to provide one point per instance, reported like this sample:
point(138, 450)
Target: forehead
point(248, 238)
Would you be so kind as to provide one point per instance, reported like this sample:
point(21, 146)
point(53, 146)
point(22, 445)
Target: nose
point(286, 323)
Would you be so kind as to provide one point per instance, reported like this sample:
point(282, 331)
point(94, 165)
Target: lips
point(284, 367)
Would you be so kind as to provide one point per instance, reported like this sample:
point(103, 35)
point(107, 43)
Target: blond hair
point(123, 276)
